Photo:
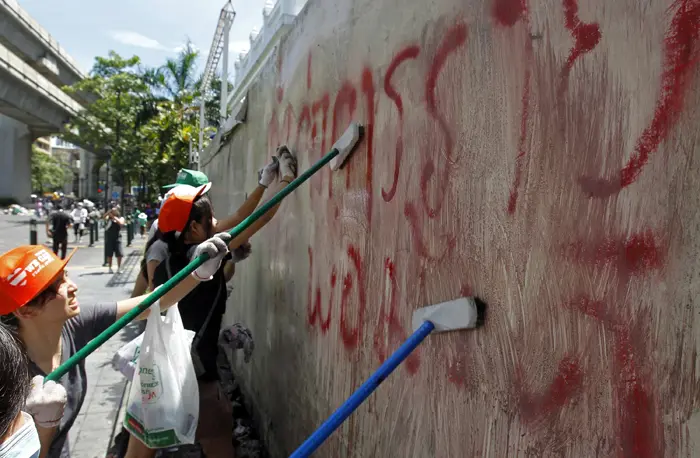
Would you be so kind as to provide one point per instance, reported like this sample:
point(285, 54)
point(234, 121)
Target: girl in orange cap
point(38, 301)
point(186, 219)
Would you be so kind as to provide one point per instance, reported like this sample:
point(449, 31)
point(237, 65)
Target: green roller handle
point(187, 270)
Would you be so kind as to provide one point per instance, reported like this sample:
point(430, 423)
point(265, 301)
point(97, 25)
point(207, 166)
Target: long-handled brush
point(336, 156)
point(456, 315)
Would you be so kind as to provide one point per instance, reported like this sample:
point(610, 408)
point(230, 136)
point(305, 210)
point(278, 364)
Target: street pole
point(224, 73)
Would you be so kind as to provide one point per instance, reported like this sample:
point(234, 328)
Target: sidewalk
point(93, 429)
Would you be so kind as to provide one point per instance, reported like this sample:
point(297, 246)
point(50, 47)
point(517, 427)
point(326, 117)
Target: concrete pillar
point(15, 160)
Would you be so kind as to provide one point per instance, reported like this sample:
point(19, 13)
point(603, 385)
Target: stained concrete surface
point(541, 155)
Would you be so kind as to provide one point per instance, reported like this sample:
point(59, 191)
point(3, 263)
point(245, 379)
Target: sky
point(152, 29)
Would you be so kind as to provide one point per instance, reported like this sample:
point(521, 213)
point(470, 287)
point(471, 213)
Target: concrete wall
point(15, 160)
point(541, 157)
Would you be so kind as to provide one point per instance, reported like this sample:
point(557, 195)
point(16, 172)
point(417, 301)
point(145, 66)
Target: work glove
point(242, 252)
point(216, 247)
point(268, 174)
point(46, 402)
point(287, 163)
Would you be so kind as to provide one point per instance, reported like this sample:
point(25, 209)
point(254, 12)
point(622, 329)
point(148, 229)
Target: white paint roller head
point(345, 144)
point(454, 315)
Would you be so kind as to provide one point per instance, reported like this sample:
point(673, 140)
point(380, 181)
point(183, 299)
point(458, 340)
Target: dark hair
point(202, 210)
point(14, 379)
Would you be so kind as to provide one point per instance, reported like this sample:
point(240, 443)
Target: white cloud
point(239, 46)
point(132, 38)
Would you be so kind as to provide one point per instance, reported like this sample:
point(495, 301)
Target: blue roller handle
point(358, 397)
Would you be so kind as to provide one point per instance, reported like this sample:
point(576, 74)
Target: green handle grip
point(187, 270)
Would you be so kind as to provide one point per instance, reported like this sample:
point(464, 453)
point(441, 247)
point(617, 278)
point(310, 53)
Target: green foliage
point(48, 173)
point(143, 118)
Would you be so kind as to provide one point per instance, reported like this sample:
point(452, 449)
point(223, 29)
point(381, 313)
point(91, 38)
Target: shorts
point(113, 247)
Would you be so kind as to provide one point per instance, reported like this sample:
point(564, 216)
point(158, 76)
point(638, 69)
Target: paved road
point(93, 429)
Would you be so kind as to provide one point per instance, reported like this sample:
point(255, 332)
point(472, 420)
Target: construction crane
point(219, 47)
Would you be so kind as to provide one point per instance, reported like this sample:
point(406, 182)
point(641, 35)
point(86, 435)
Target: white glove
point(242, 252)
point(267, 174)
point(216, 247)
point(46, 402)
point(288, 163)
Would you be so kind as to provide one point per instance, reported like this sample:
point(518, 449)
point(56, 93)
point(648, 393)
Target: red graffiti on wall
point(345, 99)
point(369, 92)
point(411, 52)
point(418, 238)
point(314, 311)
point(681, 48)
point(351, 334)
point(639, 428)
point(634, 255)
point(567, 384)
point(389, 332)
point(586, 37)
point(509, 12)
point(454, 39)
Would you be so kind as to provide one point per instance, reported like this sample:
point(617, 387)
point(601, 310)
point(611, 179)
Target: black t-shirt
point(195, 306)
point(113, 230)
point(59, 224)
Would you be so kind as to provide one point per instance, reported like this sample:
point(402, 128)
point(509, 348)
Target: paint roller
point(337, 156)
point(459, 314)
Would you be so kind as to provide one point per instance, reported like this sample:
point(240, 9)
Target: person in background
point(57, 226)
point(28, 408)
point(39, 304)
point(142, 219)
point(79, 216)
point(113, 237)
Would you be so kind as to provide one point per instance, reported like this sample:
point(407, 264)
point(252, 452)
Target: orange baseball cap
point(177, 206)
point(25, 272)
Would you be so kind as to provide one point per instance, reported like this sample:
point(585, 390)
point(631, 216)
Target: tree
point(48, 174)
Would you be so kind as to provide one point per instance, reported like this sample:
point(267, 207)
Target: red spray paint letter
point(408, 53)
point(454, 39)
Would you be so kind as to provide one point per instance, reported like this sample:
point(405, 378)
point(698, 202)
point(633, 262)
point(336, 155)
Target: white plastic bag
point(126, 358)
point(163, 406)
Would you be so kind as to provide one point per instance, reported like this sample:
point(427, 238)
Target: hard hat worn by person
point(38, 303)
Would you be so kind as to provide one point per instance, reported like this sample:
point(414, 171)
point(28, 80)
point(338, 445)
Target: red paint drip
point(586, 36)
point(349, 335)
point(320, 106)
point(642, 253)
point(308, 72)
point(410, 52)
point(454, 39)
point(508, 12)
point(512, 201)
point(280, 94)
point(310, 309)
point(314, 311)
point(418, 244)
point(397, 333)
point(564, 387)
point(638, 428)
point(369, 92)
point(346, 97)
point(680, 60)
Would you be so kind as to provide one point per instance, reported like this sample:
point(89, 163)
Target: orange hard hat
point(25, 272)
point(177, 206)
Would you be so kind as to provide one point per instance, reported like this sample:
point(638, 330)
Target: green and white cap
point(191, 177)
